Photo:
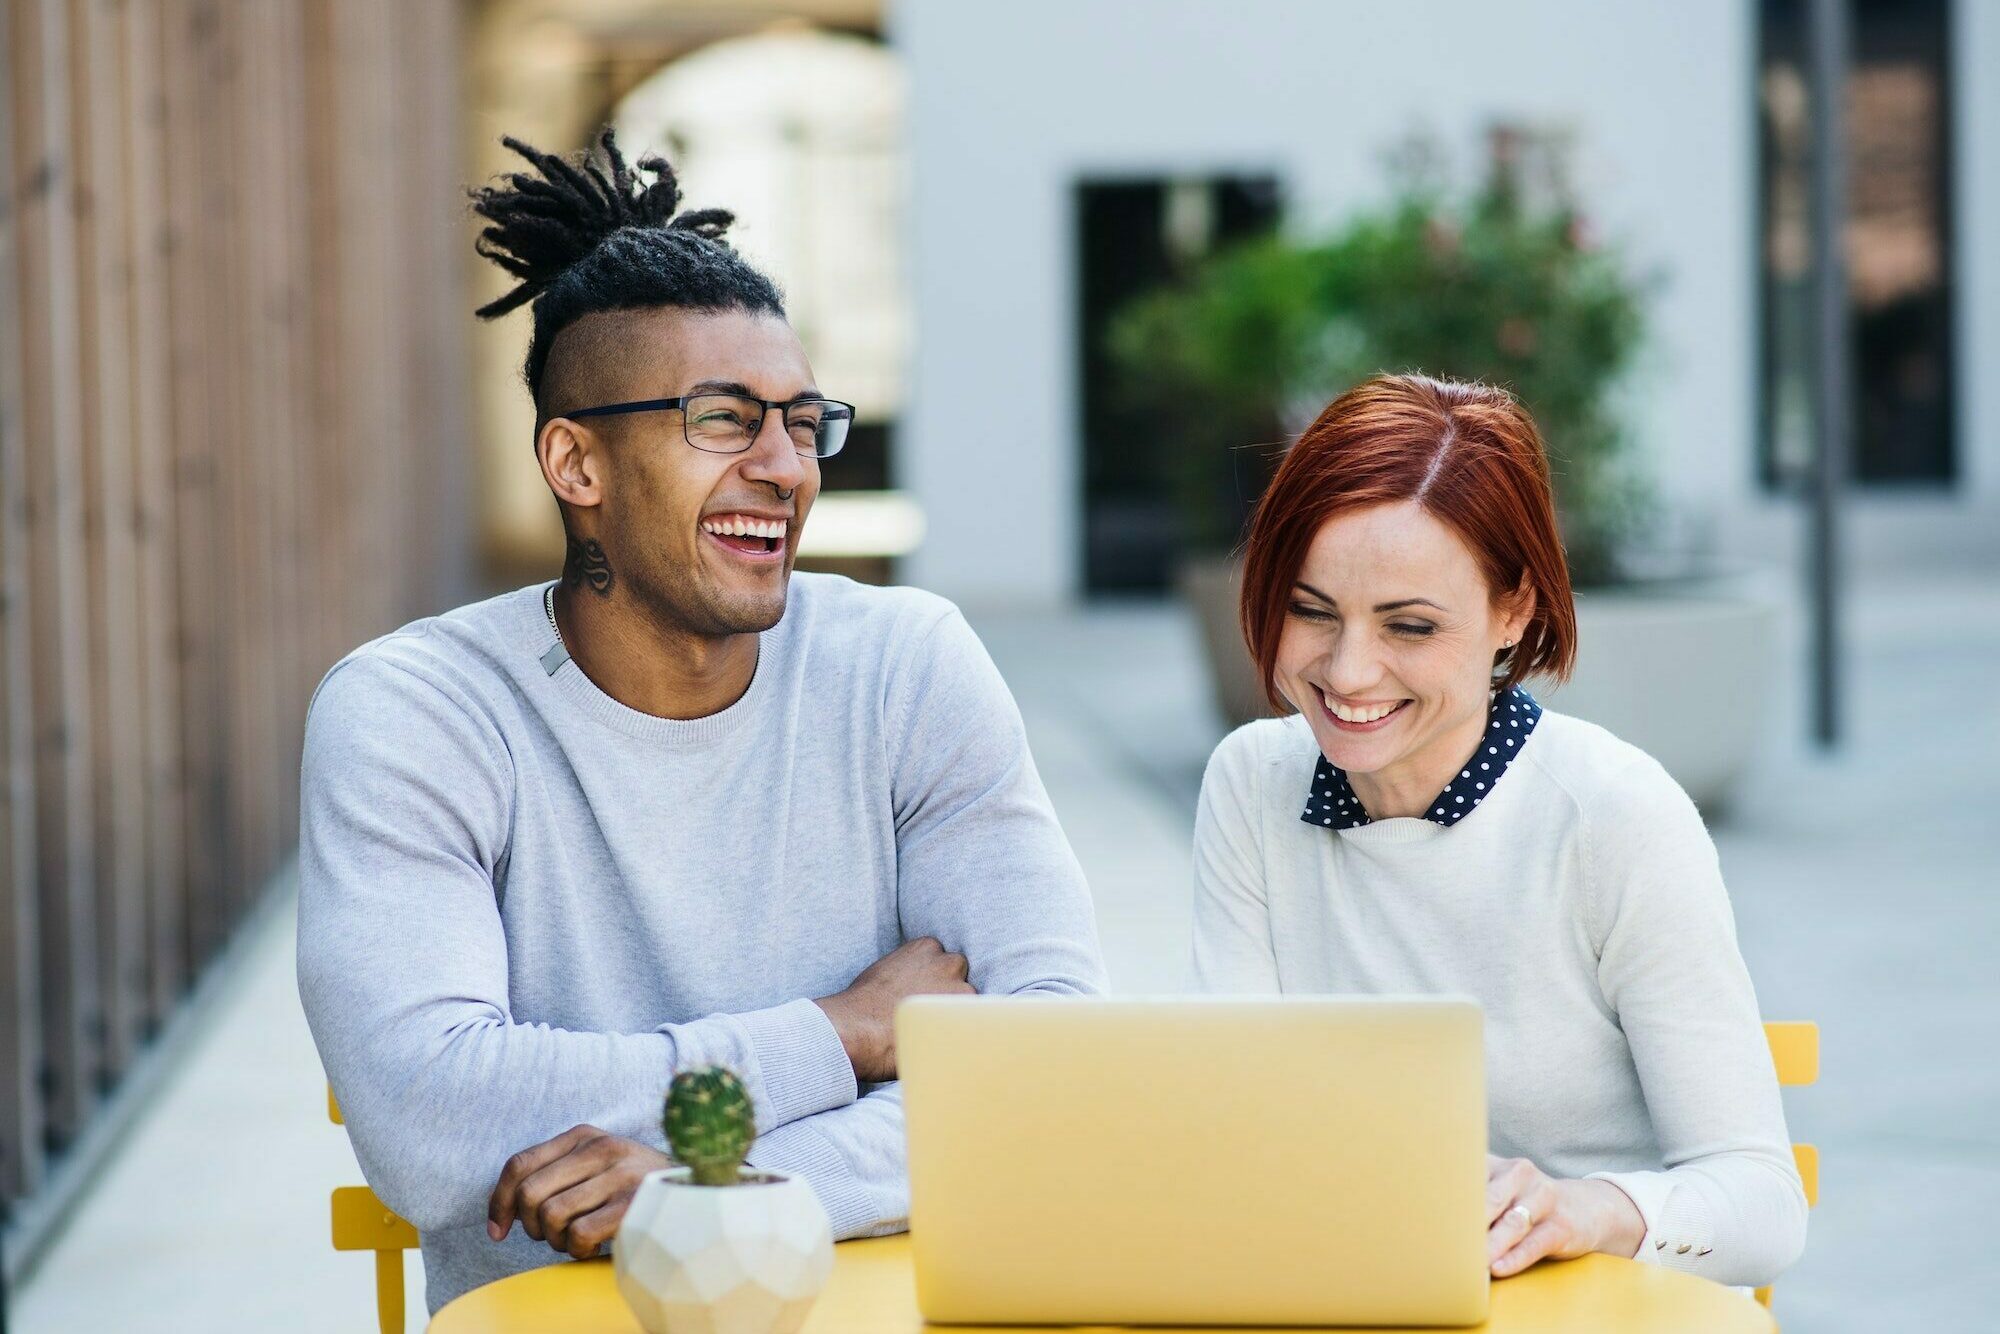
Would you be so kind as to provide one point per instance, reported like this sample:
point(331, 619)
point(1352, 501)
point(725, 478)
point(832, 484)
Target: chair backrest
point(1795, 1054)
point(361, 1222)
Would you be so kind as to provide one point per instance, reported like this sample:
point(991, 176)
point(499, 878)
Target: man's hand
point(572, 1190)
point(1531, 1216)
point(865, 1014)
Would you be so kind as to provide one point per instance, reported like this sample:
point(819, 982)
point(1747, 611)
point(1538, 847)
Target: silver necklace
point(558, 653)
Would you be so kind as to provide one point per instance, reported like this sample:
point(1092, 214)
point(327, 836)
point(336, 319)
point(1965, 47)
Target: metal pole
point(1832, 400)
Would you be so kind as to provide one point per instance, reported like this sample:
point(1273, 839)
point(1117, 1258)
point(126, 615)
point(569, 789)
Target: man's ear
point(572, 462)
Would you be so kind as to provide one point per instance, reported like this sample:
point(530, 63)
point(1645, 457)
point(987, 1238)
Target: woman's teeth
point(1367, 715)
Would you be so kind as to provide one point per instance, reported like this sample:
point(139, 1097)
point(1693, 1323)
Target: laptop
point(1196, 1161)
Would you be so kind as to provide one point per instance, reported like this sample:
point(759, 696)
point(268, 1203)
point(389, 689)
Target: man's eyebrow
point(740, 389)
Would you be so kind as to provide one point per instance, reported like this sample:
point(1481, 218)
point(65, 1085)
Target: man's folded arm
point(982, 863)
point(405, 811)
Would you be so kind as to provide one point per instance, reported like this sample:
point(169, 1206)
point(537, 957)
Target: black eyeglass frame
point(680, 405)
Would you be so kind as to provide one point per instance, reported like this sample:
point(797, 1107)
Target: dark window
point(863, 462)
point(1898, 241)
point(1132, 236)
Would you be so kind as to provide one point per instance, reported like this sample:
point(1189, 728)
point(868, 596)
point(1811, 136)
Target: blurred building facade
point(1686, 125)
point(233, 412)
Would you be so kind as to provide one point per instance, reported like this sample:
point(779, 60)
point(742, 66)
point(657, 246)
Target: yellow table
point(871, 1292)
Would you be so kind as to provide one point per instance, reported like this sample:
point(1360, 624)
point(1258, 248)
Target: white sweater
point(1582, 906)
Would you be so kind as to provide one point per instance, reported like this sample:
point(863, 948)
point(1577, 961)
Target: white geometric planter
point(742, 1259)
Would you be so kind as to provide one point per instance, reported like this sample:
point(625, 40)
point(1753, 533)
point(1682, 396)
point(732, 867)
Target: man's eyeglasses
point(729, 423)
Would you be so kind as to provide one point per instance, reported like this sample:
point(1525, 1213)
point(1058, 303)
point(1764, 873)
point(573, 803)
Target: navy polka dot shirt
point(1512, 716)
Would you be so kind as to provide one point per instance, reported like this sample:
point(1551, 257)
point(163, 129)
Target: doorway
point(1134, 235)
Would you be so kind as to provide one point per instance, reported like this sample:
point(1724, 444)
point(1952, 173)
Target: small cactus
point(710, 1123)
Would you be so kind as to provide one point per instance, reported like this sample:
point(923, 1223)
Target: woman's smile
point(1359, 715)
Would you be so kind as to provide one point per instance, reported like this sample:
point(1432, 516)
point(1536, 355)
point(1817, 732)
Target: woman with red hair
point(1421, 825)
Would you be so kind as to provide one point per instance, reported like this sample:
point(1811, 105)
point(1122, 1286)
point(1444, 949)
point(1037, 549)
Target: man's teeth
point(735, 525)
point(1347, 715)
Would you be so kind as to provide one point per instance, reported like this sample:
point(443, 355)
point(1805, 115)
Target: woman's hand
point(1531, 1216)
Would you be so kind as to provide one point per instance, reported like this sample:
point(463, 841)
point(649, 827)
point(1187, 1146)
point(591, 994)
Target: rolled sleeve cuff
point(851, 1207)
point(1677, 1227)
point(801, 1067)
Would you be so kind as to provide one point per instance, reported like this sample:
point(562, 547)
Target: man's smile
point(755, 538)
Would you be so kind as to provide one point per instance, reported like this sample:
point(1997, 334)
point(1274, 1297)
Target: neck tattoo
point(586, 563)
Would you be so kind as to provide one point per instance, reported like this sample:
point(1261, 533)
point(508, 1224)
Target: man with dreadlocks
point(679, 807)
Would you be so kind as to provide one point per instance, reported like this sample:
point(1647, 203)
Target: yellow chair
point(361, 1222)
point(1795, 1052)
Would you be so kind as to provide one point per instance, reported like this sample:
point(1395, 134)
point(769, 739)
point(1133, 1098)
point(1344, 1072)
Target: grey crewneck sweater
point(523, 905)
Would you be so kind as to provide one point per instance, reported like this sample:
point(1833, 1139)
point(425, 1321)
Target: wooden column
point(239, 409)
point(287, 295)
point(327, 472)
point(188, 38)
point(20, 931)
point(47, 278)
point(143, 103)
point(438, 307)
point(112, 574)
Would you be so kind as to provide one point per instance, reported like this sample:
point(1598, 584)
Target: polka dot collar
point(1512, 716)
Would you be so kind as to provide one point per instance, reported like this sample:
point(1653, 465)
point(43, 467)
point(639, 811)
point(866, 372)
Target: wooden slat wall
point(20, 938)
point(232, 413)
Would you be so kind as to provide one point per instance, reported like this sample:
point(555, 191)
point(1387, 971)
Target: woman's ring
point(1527, 1219)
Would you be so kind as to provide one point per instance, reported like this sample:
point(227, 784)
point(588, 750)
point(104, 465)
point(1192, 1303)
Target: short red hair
point(1469, 455)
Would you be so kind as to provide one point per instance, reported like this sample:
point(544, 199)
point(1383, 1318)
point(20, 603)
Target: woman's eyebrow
point(1380, 606)
point(1315, 592)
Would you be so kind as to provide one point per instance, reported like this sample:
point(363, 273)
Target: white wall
point(1011, 104)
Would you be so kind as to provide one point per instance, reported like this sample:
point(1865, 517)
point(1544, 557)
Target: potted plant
point(709, 1247)
point(1503, 284)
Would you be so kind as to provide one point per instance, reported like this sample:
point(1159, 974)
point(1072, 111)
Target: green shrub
point(1491, 285)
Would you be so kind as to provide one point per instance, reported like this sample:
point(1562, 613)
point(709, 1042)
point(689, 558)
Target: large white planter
point(742, 1259)
point(1683, 669)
